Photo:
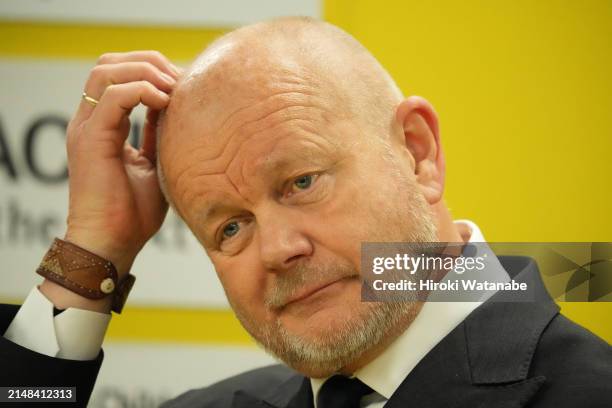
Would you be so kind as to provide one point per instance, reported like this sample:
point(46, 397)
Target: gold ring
point(90, 100)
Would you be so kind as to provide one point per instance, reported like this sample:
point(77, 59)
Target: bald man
point(283, 147)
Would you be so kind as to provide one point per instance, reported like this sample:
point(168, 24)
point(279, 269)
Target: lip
point(304, 294)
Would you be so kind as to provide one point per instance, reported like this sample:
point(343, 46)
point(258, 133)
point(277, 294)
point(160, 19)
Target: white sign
point(194, 13)
point(38, 98)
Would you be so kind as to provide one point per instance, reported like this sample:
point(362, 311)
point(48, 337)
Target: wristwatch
point(85, 273)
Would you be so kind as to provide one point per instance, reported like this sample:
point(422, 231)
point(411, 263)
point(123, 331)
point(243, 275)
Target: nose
point(282, 239)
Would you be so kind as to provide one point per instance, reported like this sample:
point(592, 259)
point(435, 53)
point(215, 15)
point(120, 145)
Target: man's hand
point(116, 204)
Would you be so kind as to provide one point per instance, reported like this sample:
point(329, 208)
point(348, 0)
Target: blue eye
point(303, 182)
point(231, 229)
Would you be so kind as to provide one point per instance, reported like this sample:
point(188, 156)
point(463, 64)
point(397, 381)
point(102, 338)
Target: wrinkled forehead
point(225, 100)
point(242, 121)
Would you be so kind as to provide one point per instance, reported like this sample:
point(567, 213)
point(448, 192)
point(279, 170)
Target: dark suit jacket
point(504, 354)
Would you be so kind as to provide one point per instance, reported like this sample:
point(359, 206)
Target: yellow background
point(523, 91)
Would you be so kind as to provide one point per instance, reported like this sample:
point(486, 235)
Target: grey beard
point(342, 345)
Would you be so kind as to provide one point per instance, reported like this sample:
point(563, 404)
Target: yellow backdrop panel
point(523, 92)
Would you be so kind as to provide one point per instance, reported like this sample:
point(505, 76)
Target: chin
point(316, 371)
point(326, 312)
point(327, 342)
point(321, 323)
point(323, 340)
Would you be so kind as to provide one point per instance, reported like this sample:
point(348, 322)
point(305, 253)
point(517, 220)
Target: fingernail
point(164, 95)
point(168, 78)
point(177, 70)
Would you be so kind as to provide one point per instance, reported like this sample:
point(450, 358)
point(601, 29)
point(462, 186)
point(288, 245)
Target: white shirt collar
point(386, 372)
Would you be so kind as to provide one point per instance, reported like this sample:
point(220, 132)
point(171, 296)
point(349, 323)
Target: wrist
point(121, 257)
point(78, 277)
point(63, 298)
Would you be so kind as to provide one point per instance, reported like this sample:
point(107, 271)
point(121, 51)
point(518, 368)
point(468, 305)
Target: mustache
point(302, 276)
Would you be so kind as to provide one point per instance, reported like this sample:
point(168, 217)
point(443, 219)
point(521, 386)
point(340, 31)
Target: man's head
point(284, 147)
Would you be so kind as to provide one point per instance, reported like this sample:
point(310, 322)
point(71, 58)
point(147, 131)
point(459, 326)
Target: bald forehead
point(243, 92)
point(253, 57)
point(268, 68)
point(245, 76)
point(253, 63)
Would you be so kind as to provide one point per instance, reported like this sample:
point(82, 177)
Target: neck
point(377, 350)
point(448, 231)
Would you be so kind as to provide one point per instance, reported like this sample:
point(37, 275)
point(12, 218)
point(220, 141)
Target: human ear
point(421, 138)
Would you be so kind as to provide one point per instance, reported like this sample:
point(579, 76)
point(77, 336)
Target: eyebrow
point(210, 210)
point(272, 166)
point(310, 154)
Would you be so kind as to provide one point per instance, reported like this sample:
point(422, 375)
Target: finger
point(154, 57)
point(102, 76)
point(118, 101)
point(148, 147)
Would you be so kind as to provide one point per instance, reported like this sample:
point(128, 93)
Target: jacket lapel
point(293, 393)
point(484, 362)
point(303, 398)
point(242, 399)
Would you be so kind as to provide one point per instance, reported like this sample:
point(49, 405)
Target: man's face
point(281, 193)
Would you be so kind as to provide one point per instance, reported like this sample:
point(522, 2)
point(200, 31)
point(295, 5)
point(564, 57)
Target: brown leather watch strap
point(84, 273)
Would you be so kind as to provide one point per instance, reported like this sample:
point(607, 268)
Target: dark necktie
point(342, 392)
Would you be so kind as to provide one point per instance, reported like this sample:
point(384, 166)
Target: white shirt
point(74, 334)
point(78, 334)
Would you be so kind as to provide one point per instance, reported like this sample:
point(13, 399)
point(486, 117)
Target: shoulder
point(7, 314)
point(576, 363)
point(565, 343)
point(256, 382)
